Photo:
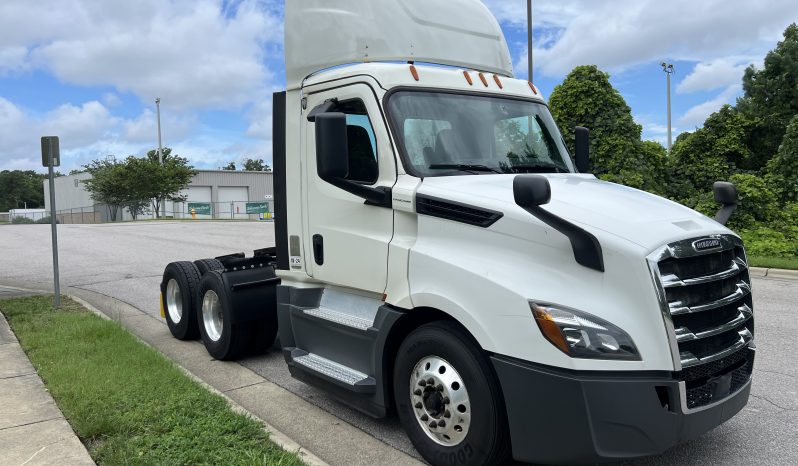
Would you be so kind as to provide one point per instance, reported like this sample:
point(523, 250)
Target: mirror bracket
point(725, 194)
point(533, 191)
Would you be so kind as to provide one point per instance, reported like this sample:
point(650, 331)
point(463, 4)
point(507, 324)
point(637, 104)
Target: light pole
point(668, 69)
point(529, 38)
point(160, 149)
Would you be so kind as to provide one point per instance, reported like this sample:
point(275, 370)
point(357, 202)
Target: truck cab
point(442, 257)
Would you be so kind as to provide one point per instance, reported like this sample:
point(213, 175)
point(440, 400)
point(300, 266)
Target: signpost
point(51, 157)
point(199, 208)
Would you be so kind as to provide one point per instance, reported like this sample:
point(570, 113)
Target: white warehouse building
point(217, 194)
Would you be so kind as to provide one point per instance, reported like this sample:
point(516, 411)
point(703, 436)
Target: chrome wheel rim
point(440, 401)
point(174, 301)
point(212, 315)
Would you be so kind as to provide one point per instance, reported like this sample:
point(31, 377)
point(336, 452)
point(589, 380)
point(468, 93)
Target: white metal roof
point(321, 34)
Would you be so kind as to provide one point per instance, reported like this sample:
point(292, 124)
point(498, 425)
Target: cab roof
point(320, 34)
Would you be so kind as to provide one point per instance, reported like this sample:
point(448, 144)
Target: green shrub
point(45, 220)
point(22, 221)
point(765, 241)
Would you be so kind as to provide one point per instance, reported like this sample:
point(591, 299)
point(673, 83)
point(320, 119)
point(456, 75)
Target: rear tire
point(205, 265)
point(223, 339)
point(178, 295)
point(464, 395)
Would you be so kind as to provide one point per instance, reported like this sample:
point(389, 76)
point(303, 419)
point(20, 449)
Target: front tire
point(448, 398)
point(223, 339)
point(178, 295)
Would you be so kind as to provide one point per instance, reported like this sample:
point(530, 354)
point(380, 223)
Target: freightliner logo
point(706, 244)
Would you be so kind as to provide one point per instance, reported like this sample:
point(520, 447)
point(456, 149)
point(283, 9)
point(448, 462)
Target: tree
point(108, 184)
point(771, 98)
point(165, 181)
point(711, 153)
point(230, 166)
point(255, 165)
point(586, 98)
point(138, 181)
point(782, 170)
point(18, 188)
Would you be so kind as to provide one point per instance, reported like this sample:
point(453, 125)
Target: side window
point(363, 167)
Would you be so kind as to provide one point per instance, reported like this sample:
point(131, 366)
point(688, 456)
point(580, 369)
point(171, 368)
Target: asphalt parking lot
point(125, 262)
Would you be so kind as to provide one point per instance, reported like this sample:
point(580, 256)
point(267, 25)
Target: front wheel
point(448, 398)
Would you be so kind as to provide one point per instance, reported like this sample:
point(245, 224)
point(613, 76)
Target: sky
point(89, 70)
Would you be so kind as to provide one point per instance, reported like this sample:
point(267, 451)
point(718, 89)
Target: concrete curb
point(766, 272)
point(279, 438)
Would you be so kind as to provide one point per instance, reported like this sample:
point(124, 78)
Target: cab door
point(347, 240)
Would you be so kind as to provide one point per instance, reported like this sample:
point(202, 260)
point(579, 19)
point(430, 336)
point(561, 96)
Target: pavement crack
point(775, 372)
point(244, 386)
point(18, 376)
point(114, 280)
point(773, 403)
point(31, 423)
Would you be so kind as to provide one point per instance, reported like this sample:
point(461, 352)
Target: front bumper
point(564, 417)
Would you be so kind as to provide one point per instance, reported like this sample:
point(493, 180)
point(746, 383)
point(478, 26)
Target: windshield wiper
point(538, 168)
point(464, 167)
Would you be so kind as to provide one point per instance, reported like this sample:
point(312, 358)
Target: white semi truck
point(441, 256)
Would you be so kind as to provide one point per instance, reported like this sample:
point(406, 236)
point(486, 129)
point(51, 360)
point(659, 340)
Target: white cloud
point(696, 116)
point(192, 54)
point(716, 74)
point(623, 33)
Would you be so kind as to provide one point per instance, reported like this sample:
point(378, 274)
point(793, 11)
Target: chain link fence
point(99, 213)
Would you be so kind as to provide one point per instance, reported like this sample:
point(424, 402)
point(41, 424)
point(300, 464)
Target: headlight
point(581, 335)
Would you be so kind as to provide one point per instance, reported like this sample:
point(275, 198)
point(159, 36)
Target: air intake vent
point(455, 211)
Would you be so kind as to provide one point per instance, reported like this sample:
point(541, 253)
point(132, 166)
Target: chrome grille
point(707, 298)
point(707, 307)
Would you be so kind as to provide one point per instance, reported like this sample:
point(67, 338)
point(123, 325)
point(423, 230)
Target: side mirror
point(725, 194)
point(582, 143)
point(531, 190)
point(332, 146)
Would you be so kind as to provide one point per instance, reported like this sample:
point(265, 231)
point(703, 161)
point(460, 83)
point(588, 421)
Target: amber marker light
point(468, 78)
point(532, 86)
point(549, 328)
point(484, 79)
point(498, 81)
point(414, 72)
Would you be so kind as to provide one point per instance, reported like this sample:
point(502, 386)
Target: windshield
point(455, 134)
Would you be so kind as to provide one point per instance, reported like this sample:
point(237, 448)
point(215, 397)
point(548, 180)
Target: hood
point(633, 215)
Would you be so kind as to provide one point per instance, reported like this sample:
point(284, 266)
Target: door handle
point(318, 249)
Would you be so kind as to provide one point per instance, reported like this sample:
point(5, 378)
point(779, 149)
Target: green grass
point(774, 262)
point(127, 402)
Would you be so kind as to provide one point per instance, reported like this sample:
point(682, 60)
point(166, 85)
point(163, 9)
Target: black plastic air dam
point(570, 417)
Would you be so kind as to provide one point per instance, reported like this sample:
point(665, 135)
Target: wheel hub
point(212, 315)
point(440, 401)
point(174, 301)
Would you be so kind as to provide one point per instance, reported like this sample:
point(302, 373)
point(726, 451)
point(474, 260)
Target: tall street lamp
point(668, 69)
point(160, 149)
point(529, 38)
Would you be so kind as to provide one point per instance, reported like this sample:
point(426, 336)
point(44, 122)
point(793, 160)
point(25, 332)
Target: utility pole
point(160, 149)
point(668, 69)
point(529, 38)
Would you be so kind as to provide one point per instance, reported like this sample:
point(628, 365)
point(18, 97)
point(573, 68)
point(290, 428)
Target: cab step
point(332, 371)
point(347, 320)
